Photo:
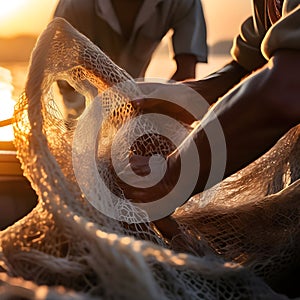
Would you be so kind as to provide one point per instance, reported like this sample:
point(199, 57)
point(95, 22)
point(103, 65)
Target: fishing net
point(234, 247)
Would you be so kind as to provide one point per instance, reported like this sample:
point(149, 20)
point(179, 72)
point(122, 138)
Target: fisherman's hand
point(139, 188)
point(166, 225)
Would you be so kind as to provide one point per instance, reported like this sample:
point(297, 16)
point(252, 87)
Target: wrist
point(186, 67)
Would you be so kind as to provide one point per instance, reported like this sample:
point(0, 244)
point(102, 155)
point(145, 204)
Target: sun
point(9, 7)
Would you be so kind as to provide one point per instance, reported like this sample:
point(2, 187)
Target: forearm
point(253, 117)
point(217, 84)
point(185, 67)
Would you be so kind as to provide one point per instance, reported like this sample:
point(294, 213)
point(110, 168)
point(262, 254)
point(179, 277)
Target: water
point(6, 103)
point(18, 72)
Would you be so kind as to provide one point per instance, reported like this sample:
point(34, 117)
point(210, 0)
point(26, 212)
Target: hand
point(167, 226)
point(135, 176)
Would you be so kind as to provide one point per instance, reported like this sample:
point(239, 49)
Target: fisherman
point(128, 31)
point(254, 115)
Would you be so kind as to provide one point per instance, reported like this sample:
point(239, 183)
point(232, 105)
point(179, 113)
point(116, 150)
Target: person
point(128, 31)
point(254, 114)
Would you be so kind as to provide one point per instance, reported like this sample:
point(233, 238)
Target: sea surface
point(18, 72)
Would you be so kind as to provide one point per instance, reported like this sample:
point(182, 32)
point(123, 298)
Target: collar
point(105, 10)
point(146, 11)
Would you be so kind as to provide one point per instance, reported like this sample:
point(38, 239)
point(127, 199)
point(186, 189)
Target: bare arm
point(186, 66)
point(254, 115)
point(217, 84)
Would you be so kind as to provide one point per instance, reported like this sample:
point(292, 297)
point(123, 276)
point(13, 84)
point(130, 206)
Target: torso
point(126, 12)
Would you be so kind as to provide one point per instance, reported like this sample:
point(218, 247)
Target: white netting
point(246, 236)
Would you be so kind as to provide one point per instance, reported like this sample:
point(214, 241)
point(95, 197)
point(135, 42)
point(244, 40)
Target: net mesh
point(235, 247)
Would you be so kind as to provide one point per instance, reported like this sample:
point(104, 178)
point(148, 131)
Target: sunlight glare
point(6, 104)
point(8, 8)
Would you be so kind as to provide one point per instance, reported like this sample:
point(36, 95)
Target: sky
point(32, 16)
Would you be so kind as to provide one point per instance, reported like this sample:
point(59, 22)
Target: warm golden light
point(6, 104)
point(25, 17)
point(8, 8)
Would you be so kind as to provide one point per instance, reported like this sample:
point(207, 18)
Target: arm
point(246, 50)
point(253, 116)
point(219, 83)
point(267, 104)
point(189, 38)
point(185, 67)
point(246, 55)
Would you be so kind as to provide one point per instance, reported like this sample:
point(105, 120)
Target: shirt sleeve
point(64, 10)
point(79, 13)
point(190, 30)
point(246, 49)
point(285, 34)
